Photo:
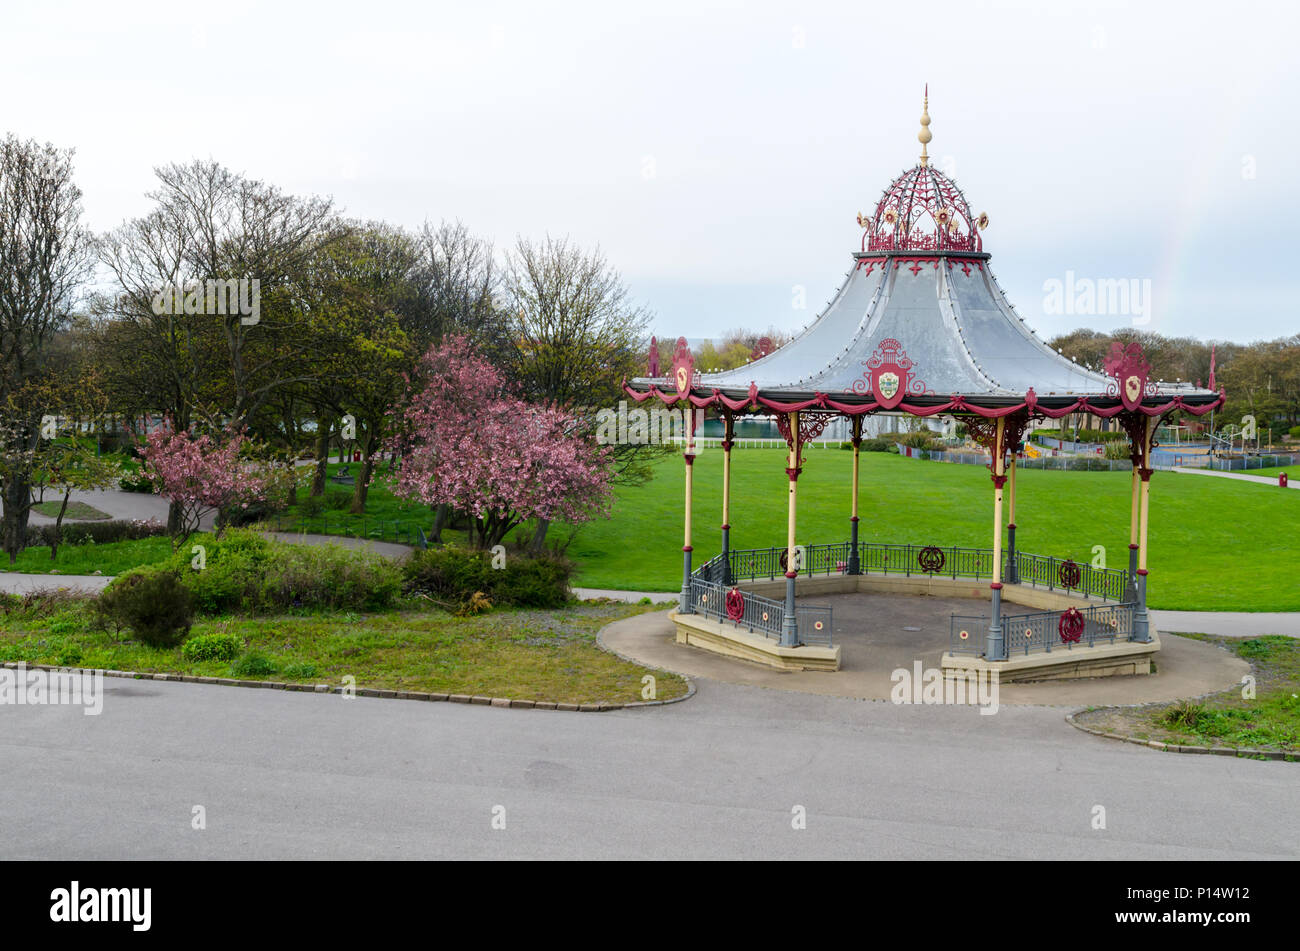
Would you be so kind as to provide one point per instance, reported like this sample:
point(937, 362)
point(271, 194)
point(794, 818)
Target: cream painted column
point(1013, 570)
point(688, 455)
point(996, 645)
point(1142, 620)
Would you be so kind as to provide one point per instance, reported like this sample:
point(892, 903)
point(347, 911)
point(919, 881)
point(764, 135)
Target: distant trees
point(45, 258)
point(1261, 379)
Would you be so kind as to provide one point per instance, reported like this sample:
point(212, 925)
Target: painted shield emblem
point(1132, 390)
point(683, 367)
point(888, 386)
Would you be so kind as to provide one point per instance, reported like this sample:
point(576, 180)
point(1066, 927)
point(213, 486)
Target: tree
point(575, 335)
point(200, 475)
point(45, 255)
point(68, 465)
point(469, 444)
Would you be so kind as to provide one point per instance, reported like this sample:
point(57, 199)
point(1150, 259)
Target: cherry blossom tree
point(466, 442)
point(201, 475)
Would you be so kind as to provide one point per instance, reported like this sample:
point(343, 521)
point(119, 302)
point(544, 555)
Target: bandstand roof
point(920, 325)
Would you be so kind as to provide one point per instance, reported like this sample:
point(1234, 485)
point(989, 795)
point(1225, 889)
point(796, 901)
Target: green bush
point(96, 533)
point(337, 500)
point(246, 572)
point(454, 575)
point(313, 505)
point(921, 439)
point(1295, 432)
point(253, 664)
point(154, 604)
point(218, 646)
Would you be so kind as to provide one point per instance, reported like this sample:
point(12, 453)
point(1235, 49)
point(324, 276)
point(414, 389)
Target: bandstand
point(921, 327)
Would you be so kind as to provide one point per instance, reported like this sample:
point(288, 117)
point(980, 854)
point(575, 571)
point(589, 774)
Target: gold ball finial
point(924, 136)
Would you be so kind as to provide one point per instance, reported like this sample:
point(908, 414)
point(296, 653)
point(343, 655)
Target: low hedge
point(457, 574)
point(245, 572)
point(96, 533)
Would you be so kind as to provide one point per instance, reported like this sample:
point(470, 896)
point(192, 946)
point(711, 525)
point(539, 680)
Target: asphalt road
point(292, 775)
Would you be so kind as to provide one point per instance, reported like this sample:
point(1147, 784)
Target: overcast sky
point(719, 152)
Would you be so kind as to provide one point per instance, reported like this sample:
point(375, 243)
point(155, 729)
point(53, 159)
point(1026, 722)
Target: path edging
point(373, 692)
point(1240, 752)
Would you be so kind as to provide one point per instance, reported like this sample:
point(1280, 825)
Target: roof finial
point(924, 135)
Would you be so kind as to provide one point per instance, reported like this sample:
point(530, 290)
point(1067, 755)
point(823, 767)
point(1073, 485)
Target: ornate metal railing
point(1044, 630)
point(1109, 584)
point(758, 614)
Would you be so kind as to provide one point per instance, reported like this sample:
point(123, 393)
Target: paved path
point(1186, 667)
point(306, 776)
point(1292, 483)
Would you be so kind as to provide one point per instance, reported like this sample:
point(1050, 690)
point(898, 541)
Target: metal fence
point(1041, 631)
point(1109, 584)
point(762, 615)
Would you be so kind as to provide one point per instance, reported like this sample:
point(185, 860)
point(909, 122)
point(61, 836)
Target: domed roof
point(923, 210)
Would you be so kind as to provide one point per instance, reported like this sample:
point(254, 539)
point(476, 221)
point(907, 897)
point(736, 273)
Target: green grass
point(383, 511)
point(524, 655)
point(110, 558)
point(1273, 472)
point(77, 511)
point(1215, 544)
point(1268, 721)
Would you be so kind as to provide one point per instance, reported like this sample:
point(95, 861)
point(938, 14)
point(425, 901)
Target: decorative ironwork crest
point(684, 373)
point(1130, 374)
point(889, 375)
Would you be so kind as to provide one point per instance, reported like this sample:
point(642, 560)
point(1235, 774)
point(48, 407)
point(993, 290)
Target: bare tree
point(45, 257)
point(574, 335)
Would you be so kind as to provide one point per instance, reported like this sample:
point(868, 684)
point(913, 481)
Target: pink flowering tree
point(467, 443)
point(201, 475)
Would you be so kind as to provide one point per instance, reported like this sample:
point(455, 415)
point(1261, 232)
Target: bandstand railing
point(1043, 630)
point(1055, 574)
point(708, 596)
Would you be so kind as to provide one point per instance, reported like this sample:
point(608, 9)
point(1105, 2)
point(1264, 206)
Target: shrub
point(455, 574)
point(96, 533)
point(299, 671)
point(337, 500)
point(253, 664)
point(313, 505)
point(1294, 432)
point(154, 604)
point(247, 572)
point(921, 439)
point(218, 646)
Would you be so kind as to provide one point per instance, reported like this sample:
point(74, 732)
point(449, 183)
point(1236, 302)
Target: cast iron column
point(854, 567)
point(995, 648)
point(1133, 531)
point(685, 605)
point(790, 623)
point(1142, 620)
point(726, 499)
point(1013, 570)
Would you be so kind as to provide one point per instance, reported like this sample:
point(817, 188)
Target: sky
point(718, 153)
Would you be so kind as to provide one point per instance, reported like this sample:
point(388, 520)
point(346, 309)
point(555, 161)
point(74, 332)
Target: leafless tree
point(45, 258)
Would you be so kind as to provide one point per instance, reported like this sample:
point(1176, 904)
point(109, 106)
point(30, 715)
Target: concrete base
point(1125, 657)
point(731, 641)
point(1101, 660)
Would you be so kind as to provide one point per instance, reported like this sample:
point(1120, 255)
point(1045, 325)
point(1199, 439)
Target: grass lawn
point(110, 558)
point(1274, 472)
point(1216, 544)
point(520, 654)
point(77, 511)
point(1268, 721)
